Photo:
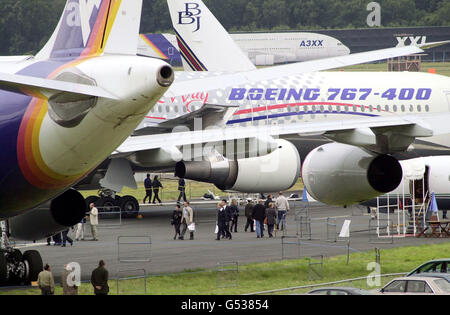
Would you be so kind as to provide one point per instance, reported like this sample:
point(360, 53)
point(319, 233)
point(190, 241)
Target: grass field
point(274, 275)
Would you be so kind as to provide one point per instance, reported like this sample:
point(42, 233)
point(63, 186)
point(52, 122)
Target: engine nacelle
point(340, 174)
point(276, 171)
point(48, 219)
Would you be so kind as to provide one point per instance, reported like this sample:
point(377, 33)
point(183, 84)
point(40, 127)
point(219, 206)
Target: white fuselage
point(277, 48)
point(265, 49)
point(315, 97)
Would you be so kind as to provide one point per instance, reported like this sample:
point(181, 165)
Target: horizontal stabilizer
point(26, 84)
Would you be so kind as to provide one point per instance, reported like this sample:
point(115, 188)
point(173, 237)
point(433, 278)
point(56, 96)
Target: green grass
point(274, 275)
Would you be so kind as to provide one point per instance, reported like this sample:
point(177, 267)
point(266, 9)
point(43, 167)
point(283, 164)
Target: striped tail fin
point(204, 43)
point(94, 27)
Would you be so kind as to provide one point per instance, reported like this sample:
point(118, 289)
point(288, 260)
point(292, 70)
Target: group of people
point(152, 188)
point(99, 281)
point(227, 219)
point(183, 218)
point(62, 238)
point(270, 213)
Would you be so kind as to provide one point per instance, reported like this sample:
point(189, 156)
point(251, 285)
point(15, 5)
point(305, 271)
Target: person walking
point(228, 215)
point(248, 215)
point(187, 220)
point(148, 189)
point(46, 282)
point(221, 220)
point(282, 205)
point(93, 221)
point(99, 279)
point(176, 221)
point(66, 238)
point(79, 235)
point(182, 190)
point(271, 215)
point(67, 284)
point(234, 209)
point(156, 186)
point(259, 214)
point(268, 200)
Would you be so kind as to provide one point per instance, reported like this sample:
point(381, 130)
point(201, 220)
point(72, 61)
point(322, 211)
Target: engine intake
point(276, 171)
point(340, 174)
point(48, 219)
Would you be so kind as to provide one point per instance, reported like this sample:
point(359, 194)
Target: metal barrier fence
point(353, 282)
point(139, 274)
point(313, 273)
point(109, 217)
point(227, 274)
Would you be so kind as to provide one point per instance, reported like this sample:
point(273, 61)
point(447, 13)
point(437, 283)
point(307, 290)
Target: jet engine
point(276, 171)
point(50, 218)
point(340, 174)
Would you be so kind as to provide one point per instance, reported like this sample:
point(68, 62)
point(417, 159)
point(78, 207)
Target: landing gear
point(109, 202)
point(17, 268)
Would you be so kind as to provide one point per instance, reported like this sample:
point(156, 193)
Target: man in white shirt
point(93, 219)
point(282, 205)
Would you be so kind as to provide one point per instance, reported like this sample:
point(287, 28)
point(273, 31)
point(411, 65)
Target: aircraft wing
point(21, 84)
point(379, 134)
point(224, 81)
point(210, 115)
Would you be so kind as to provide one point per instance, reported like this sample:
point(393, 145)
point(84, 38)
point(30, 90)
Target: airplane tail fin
point(93, 27)
point(204, 43)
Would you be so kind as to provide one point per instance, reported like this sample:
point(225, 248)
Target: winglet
point(94, 27)
point(204, 43)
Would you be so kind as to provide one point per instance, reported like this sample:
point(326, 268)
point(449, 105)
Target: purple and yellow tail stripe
point(153, 46)
point(30, 159)
point(189, 56)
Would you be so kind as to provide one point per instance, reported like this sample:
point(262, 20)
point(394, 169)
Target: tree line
point(25, 25)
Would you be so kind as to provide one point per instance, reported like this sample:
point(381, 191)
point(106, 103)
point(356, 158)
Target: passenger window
point(415, 286)
point(396, 286)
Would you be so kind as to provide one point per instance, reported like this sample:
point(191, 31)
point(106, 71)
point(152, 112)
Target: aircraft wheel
point(35, 265)
point(129, 207)
point(91, 199)
point(3, 269)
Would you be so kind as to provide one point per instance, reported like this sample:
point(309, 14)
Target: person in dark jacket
point(268, 200)
point(148, 189)
point(226, 229)
point(156, 186)
point(99, 279)
point(66, 238)
point(221, 220)
point(182, 190)
point(259, 214)
point(234, 209)
point(248, 215)
point(271, 214)
point(176, 221)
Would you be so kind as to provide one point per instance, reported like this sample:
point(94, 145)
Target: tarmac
point(149, 241)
